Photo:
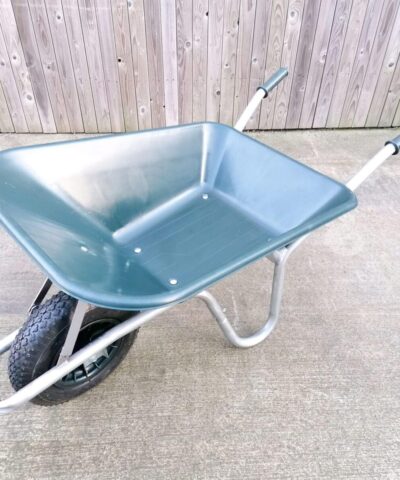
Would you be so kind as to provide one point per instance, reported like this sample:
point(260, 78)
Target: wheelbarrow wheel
point(38, 345)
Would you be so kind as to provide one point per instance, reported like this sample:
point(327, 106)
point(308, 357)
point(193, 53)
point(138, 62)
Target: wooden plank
point(59, 36)
point(170, 60)
point(80, 64)
point(361, 62)
point(229, 58)
point(200, 36)
point(140, 67)
point(317, 64)
point(389, 108)
point(308, 27)
point(10, 90)
point(18, 65)
point(95, 64)
point(125, 63)
point(215, 37)
point(184, 34)
point(273, 61)
point(49, 64)
point(244, 48)
point(110, 64)
point(6, 124)
point(289, 51)
point(347, 59)
point(154, 61)
point(396, 120)
point(386, 75)
point(338, 33)
point(259, 54)
point(375, 62)
point(34, 65)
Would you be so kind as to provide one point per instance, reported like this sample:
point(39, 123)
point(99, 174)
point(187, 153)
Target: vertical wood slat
point(44, 41)
point(140, 67)
point(389, 108)
point(244, 48)
point(263, 20)
point(288, 60)
point(375, 62)
point(123, 52)
point(16, 56)
point(154, 59)
point(6, 124)
point(80, 64)
point(335, 47)
point(385, 76)
point(34, 65)
point(184, 38)
point(229, 59)
point(95, 64)
point(396, 120)
point(66, 71)
point(109, 56)
point(317, 65)
point(274, 55)
point(10, 91)
point(200, 36)
point(170, 60)
point(304, 52)
point(363, 54)
point(214, 59)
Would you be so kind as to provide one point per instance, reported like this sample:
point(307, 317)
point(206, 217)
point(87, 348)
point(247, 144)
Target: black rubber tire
point(38, 344)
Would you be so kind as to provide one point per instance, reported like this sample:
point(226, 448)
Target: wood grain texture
point(347, 59)
point(123, 52)
point(382, 36)
point(170, 61)
point(70, 12)
point(274, 55)
point(184, 36)
point(214, 59)
point(229, 59)
point(34, 65)
point(87, 12)
point(308, 26)
point(317, 65)
point(382, 89)
point(260, 53)
point(363, 54)
point(155, 65)
point(16, 56)
point(140, 67)
point(117, 65)
point(338, 33)
point(200, 47)
point(244, 49)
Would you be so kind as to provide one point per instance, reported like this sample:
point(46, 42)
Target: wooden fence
point(116, 65)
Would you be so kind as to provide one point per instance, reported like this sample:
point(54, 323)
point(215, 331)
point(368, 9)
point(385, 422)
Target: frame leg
point(272, 320)
point(73, 332)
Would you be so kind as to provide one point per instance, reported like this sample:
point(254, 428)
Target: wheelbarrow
point(127, 226)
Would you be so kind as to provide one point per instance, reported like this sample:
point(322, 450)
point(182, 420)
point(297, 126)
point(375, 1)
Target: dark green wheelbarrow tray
point(135, 223)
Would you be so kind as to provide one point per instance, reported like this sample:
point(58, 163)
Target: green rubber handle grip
point(273, 81)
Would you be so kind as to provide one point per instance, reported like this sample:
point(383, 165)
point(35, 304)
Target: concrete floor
point(319, 399)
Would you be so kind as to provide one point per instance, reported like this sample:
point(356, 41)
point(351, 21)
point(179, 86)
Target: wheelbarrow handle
point(262, 92)
point(273, 81)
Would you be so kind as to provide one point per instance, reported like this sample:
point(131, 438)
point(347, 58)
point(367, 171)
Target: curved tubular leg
point(272, 320)
point(6, 342)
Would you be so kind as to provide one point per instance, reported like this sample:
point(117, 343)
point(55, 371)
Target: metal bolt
point(173, 281)
point(84, 249)
point(137, 250)
point(205, 196)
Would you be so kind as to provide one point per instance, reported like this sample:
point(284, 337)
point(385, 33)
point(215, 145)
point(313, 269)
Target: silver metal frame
point(68, 361)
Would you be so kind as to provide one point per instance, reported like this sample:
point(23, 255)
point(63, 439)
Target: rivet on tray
point(173, 281)
point(205, 196)
point(137, 250)
point(84, 249)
